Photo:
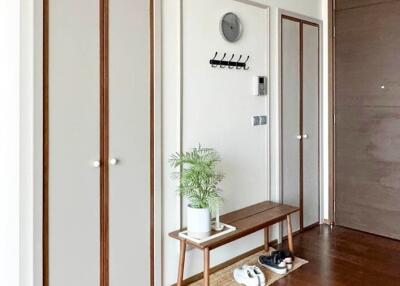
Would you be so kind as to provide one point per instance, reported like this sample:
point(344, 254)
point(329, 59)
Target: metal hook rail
point(231, 64)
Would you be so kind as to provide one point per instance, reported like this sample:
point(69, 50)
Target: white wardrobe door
point(290, 115)
point(310, 124)
point(129, 100)
point(73, 142)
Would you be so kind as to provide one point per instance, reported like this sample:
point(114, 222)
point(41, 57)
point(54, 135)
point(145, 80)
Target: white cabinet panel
point(310, 124)
point(74, 143)
point(290, 115)
point(129, 130)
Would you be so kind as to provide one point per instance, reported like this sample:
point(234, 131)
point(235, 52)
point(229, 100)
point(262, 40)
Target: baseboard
point(310, 226)
point(370, 233)
point(328, 222)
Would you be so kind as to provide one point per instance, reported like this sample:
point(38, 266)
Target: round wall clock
point(231, 28)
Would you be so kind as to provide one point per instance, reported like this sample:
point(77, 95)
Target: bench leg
point(181, 262)
point(206, 267)
point(266, 239)
point(289, 233)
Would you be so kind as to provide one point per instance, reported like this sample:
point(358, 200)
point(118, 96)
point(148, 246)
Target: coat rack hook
point(213, 59)
point(229, 63)
point(221, 64)
point(246, 68)
point(238, 62)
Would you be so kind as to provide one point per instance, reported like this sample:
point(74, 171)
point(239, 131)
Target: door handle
point(305, 136)
point(114, 161)
point(96, 163)
point(299, 137)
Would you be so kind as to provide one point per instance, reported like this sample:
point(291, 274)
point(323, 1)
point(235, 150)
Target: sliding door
point(73, 144)
point(129, 148)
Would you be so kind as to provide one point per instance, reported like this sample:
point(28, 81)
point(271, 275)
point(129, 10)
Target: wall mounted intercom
point(260, 85)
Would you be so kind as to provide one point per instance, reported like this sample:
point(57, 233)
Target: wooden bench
point(247, 220)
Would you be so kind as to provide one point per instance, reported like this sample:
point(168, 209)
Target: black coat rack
point(231, 64)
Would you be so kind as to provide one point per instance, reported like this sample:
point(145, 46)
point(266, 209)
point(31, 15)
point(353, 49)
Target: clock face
point(231, 28)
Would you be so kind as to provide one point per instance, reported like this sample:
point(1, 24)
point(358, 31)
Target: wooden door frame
point(331, 110)
point(155, 142)
point(314, 22)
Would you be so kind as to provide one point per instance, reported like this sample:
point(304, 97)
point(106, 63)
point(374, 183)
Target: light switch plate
point(263, 120)
point(259, 120)
point(255, 120)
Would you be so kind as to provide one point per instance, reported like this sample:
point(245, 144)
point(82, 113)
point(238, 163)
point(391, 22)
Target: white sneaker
point(260, 275)
point(246, 275)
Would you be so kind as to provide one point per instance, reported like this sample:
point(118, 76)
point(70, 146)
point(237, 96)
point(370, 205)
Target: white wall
point(30, 171)
point(217, 105)
point(171, 55)
point(26, 149)
point(9, 142)
point(325, 115)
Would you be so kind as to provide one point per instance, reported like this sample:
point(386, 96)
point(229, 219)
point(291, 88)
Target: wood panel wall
point(367, 162)
point(350, 4)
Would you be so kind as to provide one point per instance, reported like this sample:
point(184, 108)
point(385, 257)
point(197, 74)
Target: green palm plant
point(199, 178)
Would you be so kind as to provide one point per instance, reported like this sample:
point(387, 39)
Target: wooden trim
point(292, 18)
point(152, 130)
point(309, 227)
point(320, 141)
point(45, 150)
point(369, 233)
point(281, 116)
point(301, 145)
point(331, 109)
point(104, 144)
point(180, 201)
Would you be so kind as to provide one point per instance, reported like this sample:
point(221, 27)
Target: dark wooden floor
point(344, 257)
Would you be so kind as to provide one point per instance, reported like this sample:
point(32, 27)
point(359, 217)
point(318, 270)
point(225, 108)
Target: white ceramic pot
point(198, 222)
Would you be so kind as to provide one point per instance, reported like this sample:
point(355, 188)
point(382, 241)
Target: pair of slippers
point(249, 275)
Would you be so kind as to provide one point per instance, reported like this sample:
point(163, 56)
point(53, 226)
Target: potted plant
point(199, 181)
